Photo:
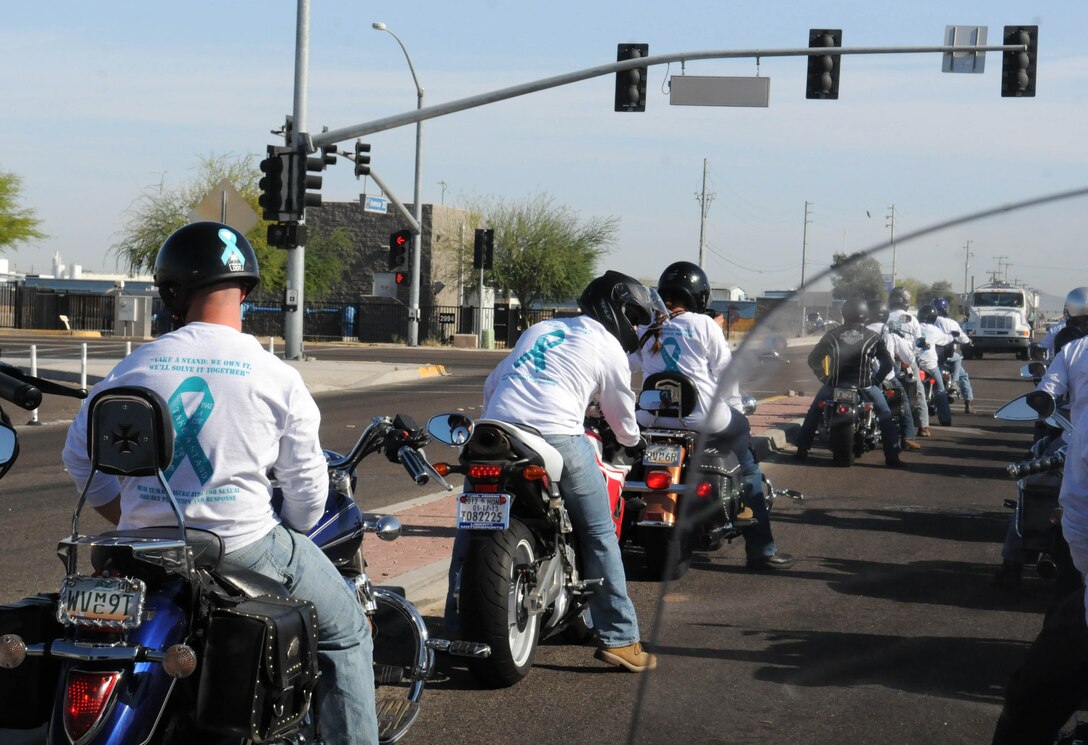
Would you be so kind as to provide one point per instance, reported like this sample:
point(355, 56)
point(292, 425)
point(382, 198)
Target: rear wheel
point(841, 438)
point(495, 584)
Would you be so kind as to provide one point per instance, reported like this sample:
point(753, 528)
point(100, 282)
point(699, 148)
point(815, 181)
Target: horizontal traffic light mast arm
point(482, 99)
point(412, 224)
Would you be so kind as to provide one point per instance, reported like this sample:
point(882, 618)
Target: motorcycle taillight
point(704, 490)
point(658, 479)
point(86, 700)
point(477, 472)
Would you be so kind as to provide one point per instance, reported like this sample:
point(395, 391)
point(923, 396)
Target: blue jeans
point(910, 430)
point(889, 434)
point(345, 649)
point(960, 377)
point(586, 497)
point(737, 437)
point(940, 397)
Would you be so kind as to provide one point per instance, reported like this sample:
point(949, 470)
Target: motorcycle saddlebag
point(259, 667)
point(26, 692)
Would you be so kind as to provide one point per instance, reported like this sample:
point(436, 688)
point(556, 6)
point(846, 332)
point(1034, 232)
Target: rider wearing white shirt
point(959, 372)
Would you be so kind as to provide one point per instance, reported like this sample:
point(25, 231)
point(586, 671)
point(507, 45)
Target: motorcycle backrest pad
point(679, 387)
point(129, 432)
point(259, 667)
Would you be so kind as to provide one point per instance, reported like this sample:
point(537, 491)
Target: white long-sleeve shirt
point(552, 374)
point(237, 412)
point(927, 358)
point(694, 345)
point(902, 351)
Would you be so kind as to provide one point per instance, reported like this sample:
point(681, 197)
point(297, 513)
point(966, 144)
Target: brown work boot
point(911, 445)
point(968, 407)
point(633, 657)
point(924, 432)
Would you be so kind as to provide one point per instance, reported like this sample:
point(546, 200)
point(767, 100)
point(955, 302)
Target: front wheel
point(841, 438)
point(495, 583)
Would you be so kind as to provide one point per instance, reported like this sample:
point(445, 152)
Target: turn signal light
point(534, 473)
point(823, 404)
point(658, 479)
point(86, 699)
point(179, 661)
point(12, 651)
point(442, 469)
point(704, 490)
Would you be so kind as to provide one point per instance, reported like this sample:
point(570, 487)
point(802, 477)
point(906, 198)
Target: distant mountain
point(1051, 303)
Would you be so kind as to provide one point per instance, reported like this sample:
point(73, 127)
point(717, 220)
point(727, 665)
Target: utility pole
point(804, 250)
point(891, 224)
point(966, 262)
point(704, 200)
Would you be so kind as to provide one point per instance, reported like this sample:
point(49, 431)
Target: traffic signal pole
point(296, 257)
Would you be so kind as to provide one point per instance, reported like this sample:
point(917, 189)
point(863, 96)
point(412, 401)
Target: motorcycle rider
point(959, 372)
point(932, 349)
point(903, 355)
point(238, 412)
point(692, 343)
point(1045, 691)
point(547, 382)
point(900, 321)
point(851, 352)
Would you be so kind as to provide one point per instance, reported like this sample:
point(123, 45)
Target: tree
point(16, 225)
point(544, 252)
point(856, 275)
point(158, 212)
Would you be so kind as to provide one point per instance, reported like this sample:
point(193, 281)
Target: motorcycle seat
point(206, 546)
point(553, 461)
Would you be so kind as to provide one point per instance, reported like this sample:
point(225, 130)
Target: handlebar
point(417, 466)
point(1036, 465)
point(18, 392)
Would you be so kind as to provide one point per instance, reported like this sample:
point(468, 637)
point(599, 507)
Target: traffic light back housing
point(823, 69)
point(1018, 68)
point(631, 84)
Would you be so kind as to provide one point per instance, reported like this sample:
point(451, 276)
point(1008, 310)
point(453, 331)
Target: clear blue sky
point(104, 100)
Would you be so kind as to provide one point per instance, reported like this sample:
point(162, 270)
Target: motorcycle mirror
point(652, 399)
point(450, 429)
point(9, 447)
point(748, 405)
point(1027, 408)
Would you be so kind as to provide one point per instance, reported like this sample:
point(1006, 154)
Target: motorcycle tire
point(492, 605)
point(841, 439)
point(659, 563)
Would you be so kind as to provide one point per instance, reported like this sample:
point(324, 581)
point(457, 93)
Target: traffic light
point(306, 180)
point(823, 69)
point(399, 243)
point(286, 235)
point(484, 249)
point(401, 278)
point(273, 198)
point(631, 84)
point(1018, 68)
point(362, 159)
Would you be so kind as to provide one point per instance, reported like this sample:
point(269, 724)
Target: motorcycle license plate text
point(846, 395)
point(661, 454)
point(105, 602)
point(483, 511)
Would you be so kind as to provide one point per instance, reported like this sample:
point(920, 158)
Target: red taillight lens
point(86, 698)
point(843, 408)
point(823, 404)
point(704, 490)
point(484, 472)
point(658, 479)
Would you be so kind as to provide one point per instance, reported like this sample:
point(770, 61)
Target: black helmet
point(878, 310)
point(685, 284)
point(855, 310)
point(202, 254)
point(617, 301)
point(899, 298)
point(927, 314)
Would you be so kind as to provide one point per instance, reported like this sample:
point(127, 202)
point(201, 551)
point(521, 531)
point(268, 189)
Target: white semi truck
point(1000, 318)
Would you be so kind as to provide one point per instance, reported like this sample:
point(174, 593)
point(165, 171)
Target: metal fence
point(23, 307)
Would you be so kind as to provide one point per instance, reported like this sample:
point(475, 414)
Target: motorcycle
point(150, 637)
point(816, 324)
point(522, 579)
point(851, 425)
point(659, 482)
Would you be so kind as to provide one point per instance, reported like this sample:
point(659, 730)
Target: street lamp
point(413, 292)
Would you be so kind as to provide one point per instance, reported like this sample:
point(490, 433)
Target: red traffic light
point(402, 278)
point(400, 239)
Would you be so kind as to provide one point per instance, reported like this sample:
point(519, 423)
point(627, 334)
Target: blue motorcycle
point(151, 638)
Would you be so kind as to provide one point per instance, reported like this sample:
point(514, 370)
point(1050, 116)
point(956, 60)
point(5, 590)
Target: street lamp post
point(417, 250)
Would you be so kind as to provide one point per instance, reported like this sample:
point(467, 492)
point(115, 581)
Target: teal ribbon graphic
point(186, 428)
point(543, 343)
point(670, 353)
point(230, 250)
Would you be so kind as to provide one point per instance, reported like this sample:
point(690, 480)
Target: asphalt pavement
point(419, 560)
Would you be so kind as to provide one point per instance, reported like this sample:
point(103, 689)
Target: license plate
point(847, 395)
point(661, 454)
point(108, 602)
point(483, 511)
